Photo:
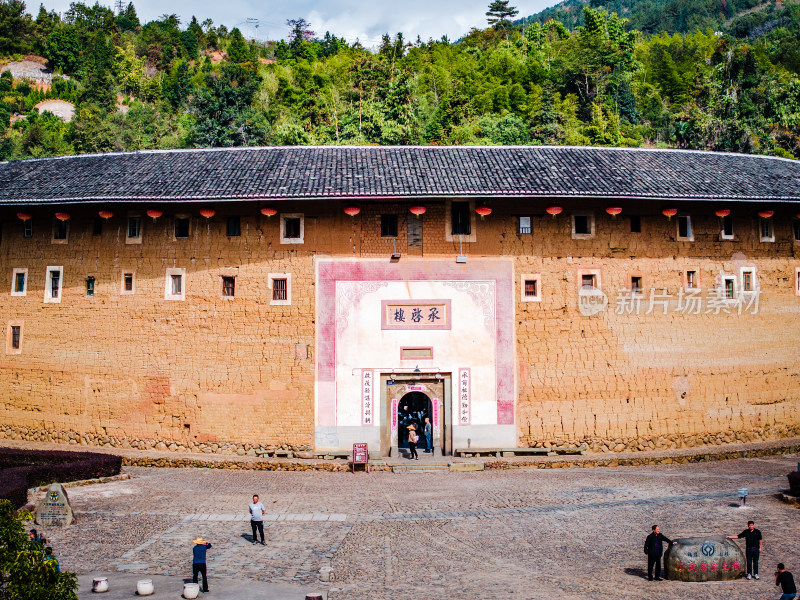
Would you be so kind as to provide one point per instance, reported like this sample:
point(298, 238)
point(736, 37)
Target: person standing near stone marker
point(753, 546)
point(257, 519)
point(412, 442)
point(199, 561)
point(784, 579)
point(428, 431)
point(654, 548)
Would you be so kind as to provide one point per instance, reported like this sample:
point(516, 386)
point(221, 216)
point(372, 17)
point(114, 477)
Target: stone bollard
point(100, 584)
point(191, 590)
point(711, 558)
point(145, 587)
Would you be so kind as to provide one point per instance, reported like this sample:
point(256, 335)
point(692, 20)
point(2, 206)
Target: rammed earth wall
point(238, 375)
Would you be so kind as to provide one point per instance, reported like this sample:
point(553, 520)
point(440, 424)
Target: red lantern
point(268, 211)
point(62, 216)
point(154, 214)
point(613, 211)
point(723, 212)
point(23, 216)
point(553, 210)
point(106, 214)
point(417, 210)
point(766, 214)
point(483, 211)
point(207, 212)
point(669, 212)
point(351, 210)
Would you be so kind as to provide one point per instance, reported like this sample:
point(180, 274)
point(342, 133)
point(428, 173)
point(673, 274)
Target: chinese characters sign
point(435, 402)
point(464, 394)
point(367, 397)
point(415, 314)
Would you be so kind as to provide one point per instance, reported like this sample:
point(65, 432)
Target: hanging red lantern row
point(766, 214)
point(417, 210)
point(207, 212)
point(154, 214)
point(62, 216)
point(106, 214)
point(614, 211)
point(723, 212)
point(483, 211)
point(23, 216)
point(669, 212)
point(351, 210)
point(553, 210)
point(268, 211)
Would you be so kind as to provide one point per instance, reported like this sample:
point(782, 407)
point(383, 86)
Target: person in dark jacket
point(654, 548)
point(199, 561)
point(784, 579)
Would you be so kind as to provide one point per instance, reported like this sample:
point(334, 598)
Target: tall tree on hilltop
point(498, 13)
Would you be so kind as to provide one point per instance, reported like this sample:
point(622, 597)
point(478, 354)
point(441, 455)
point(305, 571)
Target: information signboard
point(360, 456)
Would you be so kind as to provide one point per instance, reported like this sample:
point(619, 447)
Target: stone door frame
point(436, 385)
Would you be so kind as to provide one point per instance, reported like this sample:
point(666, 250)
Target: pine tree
point(499, 11)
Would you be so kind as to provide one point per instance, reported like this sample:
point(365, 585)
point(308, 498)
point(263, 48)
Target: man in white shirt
point(257, 519)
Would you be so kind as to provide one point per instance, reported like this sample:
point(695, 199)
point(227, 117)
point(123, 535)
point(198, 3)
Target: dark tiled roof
point(399, 172)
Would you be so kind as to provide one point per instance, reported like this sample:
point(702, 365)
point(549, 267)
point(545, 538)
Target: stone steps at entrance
point(422, 468)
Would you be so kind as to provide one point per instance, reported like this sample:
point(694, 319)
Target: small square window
point(531, 288)
point(636, 284)
point(177, 284)
point(748, 279)
point(19, 282)
point(52, 288)
point(128, 283)
point(292, 229)
point(60, 230)
point(767, 232)
point(588, 280)
point(174, 287)
point(228, 286)
point(582, 226)
point(692, 281)
point(90, 286)
point(389, 226)
point(684, 224)
point(796, 229)
point(97, 228)
point(636, 223)
point(281, 286)
point(729, 284)
point(134, 230)
point(27, 228)
point(726, 228)
point(461, 218)
point(181, 227)
point(524, 225)
point(14, 337)
point(234, 228)
point(279, 289)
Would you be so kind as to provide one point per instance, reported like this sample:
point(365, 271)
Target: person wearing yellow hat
point(199, 561)
point(412, 442)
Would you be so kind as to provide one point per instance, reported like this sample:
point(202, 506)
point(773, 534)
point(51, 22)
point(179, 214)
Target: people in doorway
point(784, 579)
point(654, 548)
point(199, 561)
point(428, 431)
point(412, 442)
point(753, 546)
point(257, 519)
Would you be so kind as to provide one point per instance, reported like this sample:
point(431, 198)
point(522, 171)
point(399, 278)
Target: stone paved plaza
point(529, 533)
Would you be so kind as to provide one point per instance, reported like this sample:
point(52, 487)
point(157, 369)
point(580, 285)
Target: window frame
point(168, 295)
point(396, 219)
point(766, 238)
point(724, 296)
point(122, 290)
point(238, 226)
point(90, 293)
point(636, 292)
point(14, 273)
point(181, 218)
point(48, 284)
point(223, 288)
point(10, 350)
point(630, 223)
point(522, 229)
point(271, 277)
point(690, 229)
point(596, 273)
point(523, 280)
point(590, 222)
point(137, 239)
point(797, 281)
point(754, 281)
point(27, 229)
point(57, 225)
point(297, 240)
point(449, 236)
point(722, 234)
point(796, 230)
point(685, 278)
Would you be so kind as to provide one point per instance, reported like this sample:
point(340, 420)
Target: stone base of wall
point(10, 432)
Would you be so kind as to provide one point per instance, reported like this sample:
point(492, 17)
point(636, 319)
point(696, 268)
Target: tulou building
point(256, 300)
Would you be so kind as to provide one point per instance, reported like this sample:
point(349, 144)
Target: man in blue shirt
point(199, 561)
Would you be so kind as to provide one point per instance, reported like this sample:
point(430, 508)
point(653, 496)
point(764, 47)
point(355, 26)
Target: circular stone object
point(100, 584)
point(145, 587)
point(191, 590)
point(711, 558)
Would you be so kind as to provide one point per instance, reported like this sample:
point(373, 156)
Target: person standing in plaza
point(654, 548)
point(257, 519)
point(784, 579)
point(753, 546)
point(428, 431)
point(412, 442)
point(199, 561)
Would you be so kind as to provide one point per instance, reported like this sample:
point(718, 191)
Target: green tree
point(498, 13)
point(25, 574)
point(16, 27)
point(238, 52)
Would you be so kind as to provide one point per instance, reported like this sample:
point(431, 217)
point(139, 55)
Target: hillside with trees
point(600, 81)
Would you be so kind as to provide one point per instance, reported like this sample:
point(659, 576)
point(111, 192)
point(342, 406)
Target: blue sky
point(363, 19)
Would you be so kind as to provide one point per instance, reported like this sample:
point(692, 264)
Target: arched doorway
point(413, 408)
